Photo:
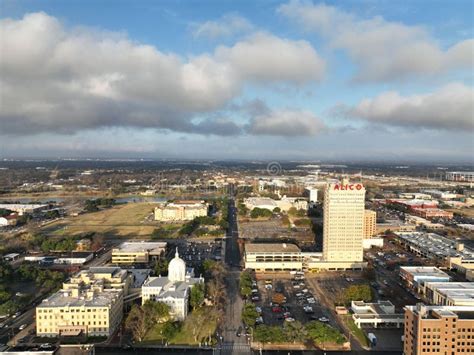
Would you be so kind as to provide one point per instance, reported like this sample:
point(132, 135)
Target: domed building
point(173, 289)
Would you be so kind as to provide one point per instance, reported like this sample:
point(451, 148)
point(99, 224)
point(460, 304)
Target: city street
point(231, 343)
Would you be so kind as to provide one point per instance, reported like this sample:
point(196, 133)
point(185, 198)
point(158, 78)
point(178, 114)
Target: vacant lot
point(130, 220)
point(274, 229)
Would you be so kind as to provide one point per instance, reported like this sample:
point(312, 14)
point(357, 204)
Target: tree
point(8, 308)
point(245, 284)
point(268, 334)
point(249, 314)
point(320, 332)
point(278, 298)
point(277, 210)
point(196, 297)
point(216, 292)
point(161, 267)
point(135, 323)
point(155, 312)
point(294, 331)
point(357, 293)
point(260, 212)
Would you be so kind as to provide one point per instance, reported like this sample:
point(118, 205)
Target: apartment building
point(141, 252)
point(89, 310)
point(370, 223)
point(441, 330)
point(110, 277)
point(180, 211)
point(343, 230)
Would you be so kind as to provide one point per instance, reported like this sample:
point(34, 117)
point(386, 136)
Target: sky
point(294, 80)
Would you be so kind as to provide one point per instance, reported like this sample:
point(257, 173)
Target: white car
point(289, 319)
point(323, 319)
point(23, 326)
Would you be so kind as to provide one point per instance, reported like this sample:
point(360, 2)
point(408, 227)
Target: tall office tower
point(343, 230)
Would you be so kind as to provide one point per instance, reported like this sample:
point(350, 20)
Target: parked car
point(239, 331)
point(323, 319)
point(23, 326)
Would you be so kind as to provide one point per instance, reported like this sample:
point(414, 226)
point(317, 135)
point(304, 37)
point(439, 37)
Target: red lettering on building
point(350, 187)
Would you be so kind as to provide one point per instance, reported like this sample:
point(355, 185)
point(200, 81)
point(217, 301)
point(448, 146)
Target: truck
point(372, 338)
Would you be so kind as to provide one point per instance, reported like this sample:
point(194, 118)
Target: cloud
point(289, 123)
point(226, 26)
point(383, 50)
point(448, 108)
point(63, 80)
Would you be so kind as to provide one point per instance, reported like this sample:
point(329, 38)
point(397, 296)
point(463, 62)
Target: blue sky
point(306, 80)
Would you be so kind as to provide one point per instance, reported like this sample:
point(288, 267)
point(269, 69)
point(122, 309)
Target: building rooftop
point(436, 244)
point(271, 248)
point(65, 298)
point(424, 271)
point(434, 312)
point(455, 291)
point(133, 247)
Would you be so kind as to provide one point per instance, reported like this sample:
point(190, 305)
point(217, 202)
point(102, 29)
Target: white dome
point(177, 269)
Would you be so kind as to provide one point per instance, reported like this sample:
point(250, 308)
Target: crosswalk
point(232, 348)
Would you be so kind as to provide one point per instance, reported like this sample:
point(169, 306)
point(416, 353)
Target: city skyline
point(363, 80)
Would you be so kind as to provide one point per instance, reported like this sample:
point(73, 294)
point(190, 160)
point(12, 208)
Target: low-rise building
point(111, 277)
point(284, 204)
point(22, 208)
point(9, 220)
point(423, 222)
point(450, 293)
point(446, 330)
point(462, 176)
point(142, 252)
point(180, 211)
point(432, 213)
point(272, 257)
point(173, 289)
point(415, 277)
point(452, 253)
point(375, 314)
point(88, 310)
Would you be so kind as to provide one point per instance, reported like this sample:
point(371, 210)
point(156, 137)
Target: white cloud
point(65, 80)
point(383, 50)
point(226, 26)
point(286, 123)
point(450, 108)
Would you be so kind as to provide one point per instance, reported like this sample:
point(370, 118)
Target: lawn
point(122, 220)
point(357, 332)
point(199, 327)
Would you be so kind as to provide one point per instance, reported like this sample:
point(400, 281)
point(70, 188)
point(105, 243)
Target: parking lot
point(194, 253)
point(299, 305)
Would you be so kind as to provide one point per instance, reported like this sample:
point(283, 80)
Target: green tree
point(294, 332)
point(155, 312)
point(8, 308)
point(245, 284)
point(357, 293)
point(161, 267)
point(277, 210)
point(268, 334)
point(320, 332)
point(196, 297)
point(260, 212)
point(249, 314)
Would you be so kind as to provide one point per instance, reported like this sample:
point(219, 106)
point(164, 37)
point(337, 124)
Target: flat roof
point(455, 291)
point(436, 244)
point(271, 248)
point(132, 247)
point(424, 271)
point(64, 298)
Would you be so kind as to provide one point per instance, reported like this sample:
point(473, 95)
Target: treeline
point(96, 204)
point(45, 280)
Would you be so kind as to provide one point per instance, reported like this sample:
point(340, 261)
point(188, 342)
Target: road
point(232, 344)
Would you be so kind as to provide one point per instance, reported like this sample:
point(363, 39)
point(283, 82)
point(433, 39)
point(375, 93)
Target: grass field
point(357, 332)
point(128, 220)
